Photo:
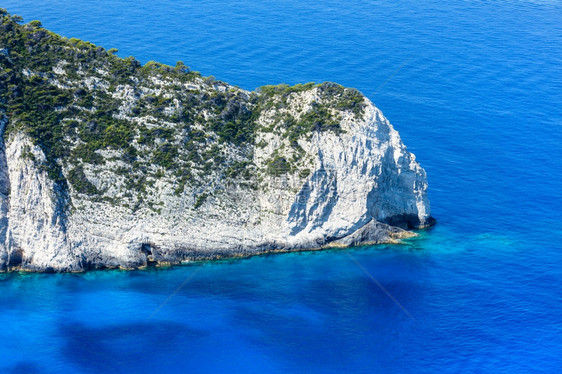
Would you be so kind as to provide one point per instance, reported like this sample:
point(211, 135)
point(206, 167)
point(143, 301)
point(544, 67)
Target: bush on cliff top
point(73, 121)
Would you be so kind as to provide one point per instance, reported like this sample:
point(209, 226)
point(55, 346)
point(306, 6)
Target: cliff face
point(106, 163)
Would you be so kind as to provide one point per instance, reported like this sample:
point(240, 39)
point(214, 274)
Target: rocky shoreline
point(105, 163)
point(372, 234)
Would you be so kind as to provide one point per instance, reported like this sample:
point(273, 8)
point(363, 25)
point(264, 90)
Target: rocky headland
point(107, 163)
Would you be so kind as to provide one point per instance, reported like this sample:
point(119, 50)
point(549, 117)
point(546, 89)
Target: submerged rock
point(107, 163)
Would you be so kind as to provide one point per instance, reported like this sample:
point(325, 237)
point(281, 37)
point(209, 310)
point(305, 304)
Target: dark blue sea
point(475, 90)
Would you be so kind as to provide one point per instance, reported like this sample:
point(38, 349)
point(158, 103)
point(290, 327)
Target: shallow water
point(474, 88)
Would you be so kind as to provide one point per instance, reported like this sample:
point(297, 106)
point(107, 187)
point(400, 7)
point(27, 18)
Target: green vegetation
point(336, 95)
point(78, 180)
point(200, 200)
point(320, 118)
point(85, 106)
point(323, 117)
point(304, 173)
point(71, 125)
point(278, 165)
point(342, 98)
point(284, 89)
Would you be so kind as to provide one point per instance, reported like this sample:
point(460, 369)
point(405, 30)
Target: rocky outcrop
point(117, 165)
point(361, 183)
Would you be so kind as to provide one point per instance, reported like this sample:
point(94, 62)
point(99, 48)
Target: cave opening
point(146, 248)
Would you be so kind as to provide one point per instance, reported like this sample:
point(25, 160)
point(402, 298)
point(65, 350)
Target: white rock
point(358, 179)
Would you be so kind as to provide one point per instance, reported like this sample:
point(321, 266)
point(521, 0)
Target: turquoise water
point(475, 89)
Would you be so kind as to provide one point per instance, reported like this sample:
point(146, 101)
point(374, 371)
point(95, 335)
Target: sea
point(475, 90)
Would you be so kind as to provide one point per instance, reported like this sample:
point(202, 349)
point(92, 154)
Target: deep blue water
point(475, 89)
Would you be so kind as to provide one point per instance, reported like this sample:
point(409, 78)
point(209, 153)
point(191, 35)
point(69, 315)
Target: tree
point(17, 19)
point(180, 66)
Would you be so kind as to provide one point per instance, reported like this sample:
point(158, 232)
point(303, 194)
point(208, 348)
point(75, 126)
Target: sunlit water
point(475, 89)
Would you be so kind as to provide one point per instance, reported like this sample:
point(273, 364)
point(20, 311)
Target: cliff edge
point(107, 163)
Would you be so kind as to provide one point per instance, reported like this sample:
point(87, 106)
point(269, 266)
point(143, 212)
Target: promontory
point(105, 162)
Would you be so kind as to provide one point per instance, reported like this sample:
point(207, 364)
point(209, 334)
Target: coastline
point(157, 164)
point(396, 239)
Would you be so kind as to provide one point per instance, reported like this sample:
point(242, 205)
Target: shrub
point(80, 183)
point(278, 165)
point(200, 200)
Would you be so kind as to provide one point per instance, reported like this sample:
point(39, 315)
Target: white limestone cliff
point(358, 185)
